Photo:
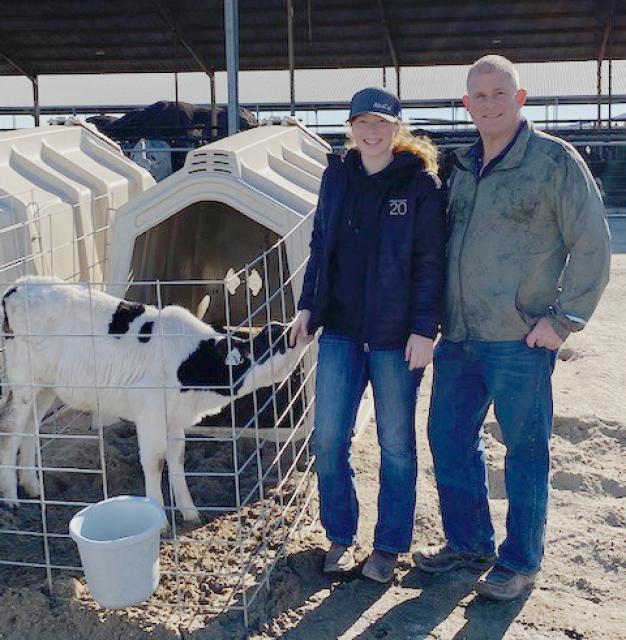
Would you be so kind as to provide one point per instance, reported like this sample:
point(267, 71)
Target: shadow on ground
point(341, 604)
point(438, 597)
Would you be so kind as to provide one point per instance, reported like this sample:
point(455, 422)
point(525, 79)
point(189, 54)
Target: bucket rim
point(77, 519)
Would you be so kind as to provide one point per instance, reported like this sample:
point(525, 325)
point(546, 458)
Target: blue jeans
point(342, 374)
point(468, 377)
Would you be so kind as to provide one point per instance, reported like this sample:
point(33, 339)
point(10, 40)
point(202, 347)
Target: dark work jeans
point(468, 377)
point(343, 372)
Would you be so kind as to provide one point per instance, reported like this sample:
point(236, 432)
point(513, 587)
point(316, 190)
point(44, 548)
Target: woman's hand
point(418, 352)
point(300, 328)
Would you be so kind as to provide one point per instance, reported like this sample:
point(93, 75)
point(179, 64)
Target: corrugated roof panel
point(73, 36)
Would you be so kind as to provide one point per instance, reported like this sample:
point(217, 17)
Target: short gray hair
point(493, 62)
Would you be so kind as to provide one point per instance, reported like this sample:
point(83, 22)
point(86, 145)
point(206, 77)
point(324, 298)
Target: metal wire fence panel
point(111, 395)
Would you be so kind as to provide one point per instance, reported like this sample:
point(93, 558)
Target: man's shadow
point(351, 596)
point(439, 597)
point(489, 619)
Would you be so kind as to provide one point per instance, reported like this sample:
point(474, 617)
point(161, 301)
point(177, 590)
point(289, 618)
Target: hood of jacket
point(403, 166)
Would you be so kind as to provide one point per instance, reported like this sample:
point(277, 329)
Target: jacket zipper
point(372, 269)
point(469, 220)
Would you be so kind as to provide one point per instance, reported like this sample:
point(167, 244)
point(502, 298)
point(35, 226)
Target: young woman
point(374, 281)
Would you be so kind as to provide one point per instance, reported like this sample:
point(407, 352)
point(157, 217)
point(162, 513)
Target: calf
point(161, 369)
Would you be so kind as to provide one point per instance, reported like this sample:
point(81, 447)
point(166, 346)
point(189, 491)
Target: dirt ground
point(581, 592)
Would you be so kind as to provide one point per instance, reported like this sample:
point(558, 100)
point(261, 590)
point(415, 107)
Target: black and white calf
point(161, 369)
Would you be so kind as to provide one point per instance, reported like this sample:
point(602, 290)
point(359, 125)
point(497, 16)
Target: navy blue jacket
point(405, 277)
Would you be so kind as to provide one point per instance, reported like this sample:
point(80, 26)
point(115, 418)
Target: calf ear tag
point(233, 358)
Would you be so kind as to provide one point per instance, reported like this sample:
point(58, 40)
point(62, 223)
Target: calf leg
point(152, 438)
point(17, 414)
point(26, 460)
point(176, 470)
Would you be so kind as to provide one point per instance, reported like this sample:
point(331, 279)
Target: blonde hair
point(419, 146)
point(493, 62)
point(404, 140)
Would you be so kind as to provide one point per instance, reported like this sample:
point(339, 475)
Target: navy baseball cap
point(376, 101)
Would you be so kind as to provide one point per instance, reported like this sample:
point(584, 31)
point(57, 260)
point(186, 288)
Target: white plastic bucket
point(118, 542)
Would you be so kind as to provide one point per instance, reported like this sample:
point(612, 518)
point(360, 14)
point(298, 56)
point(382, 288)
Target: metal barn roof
point(103, 36)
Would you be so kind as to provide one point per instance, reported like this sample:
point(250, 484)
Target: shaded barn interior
point(206, 241)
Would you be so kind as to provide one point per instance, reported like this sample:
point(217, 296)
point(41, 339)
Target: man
point(528, 258)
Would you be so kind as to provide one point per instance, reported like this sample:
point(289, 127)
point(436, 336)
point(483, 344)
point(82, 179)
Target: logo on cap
point(373, 100)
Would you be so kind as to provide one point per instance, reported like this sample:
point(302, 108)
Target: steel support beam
point(393, 54)
point(171, 23)
point(602, 50)
point(398, 91)
point(599, 91)
point(231, 28)
point(290, 47)
point(610, 92)
point(34, 81)
point(17, 66)
point(36, 105)
point(387, 33)
point(213, 104)
point(608, 28)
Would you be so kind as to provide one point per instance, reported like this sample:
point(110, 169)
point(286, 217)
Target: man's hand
point(543, 335)
point(418, 352)
point(300, 328)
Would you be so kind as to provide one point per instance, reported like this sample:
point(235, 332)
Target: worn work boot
point(339, 559)
point(379, 566)
point(442, 559)
point(503, 584)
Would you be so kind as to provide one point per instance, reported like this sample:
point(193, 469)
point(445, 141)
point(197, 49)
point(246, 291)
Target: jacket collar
point(400, 160)
point(512, 159)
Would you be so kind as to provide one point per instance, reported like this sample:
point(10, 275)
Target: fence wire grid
point(249, 469)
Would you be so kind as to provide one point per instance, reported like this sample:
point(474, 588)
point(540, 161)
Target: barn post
point(231, 24)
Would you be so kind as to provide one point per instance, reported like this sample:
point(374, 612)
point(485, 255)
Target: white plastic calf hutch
point(232, 201)
point(59, 189)
point(227, 236)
